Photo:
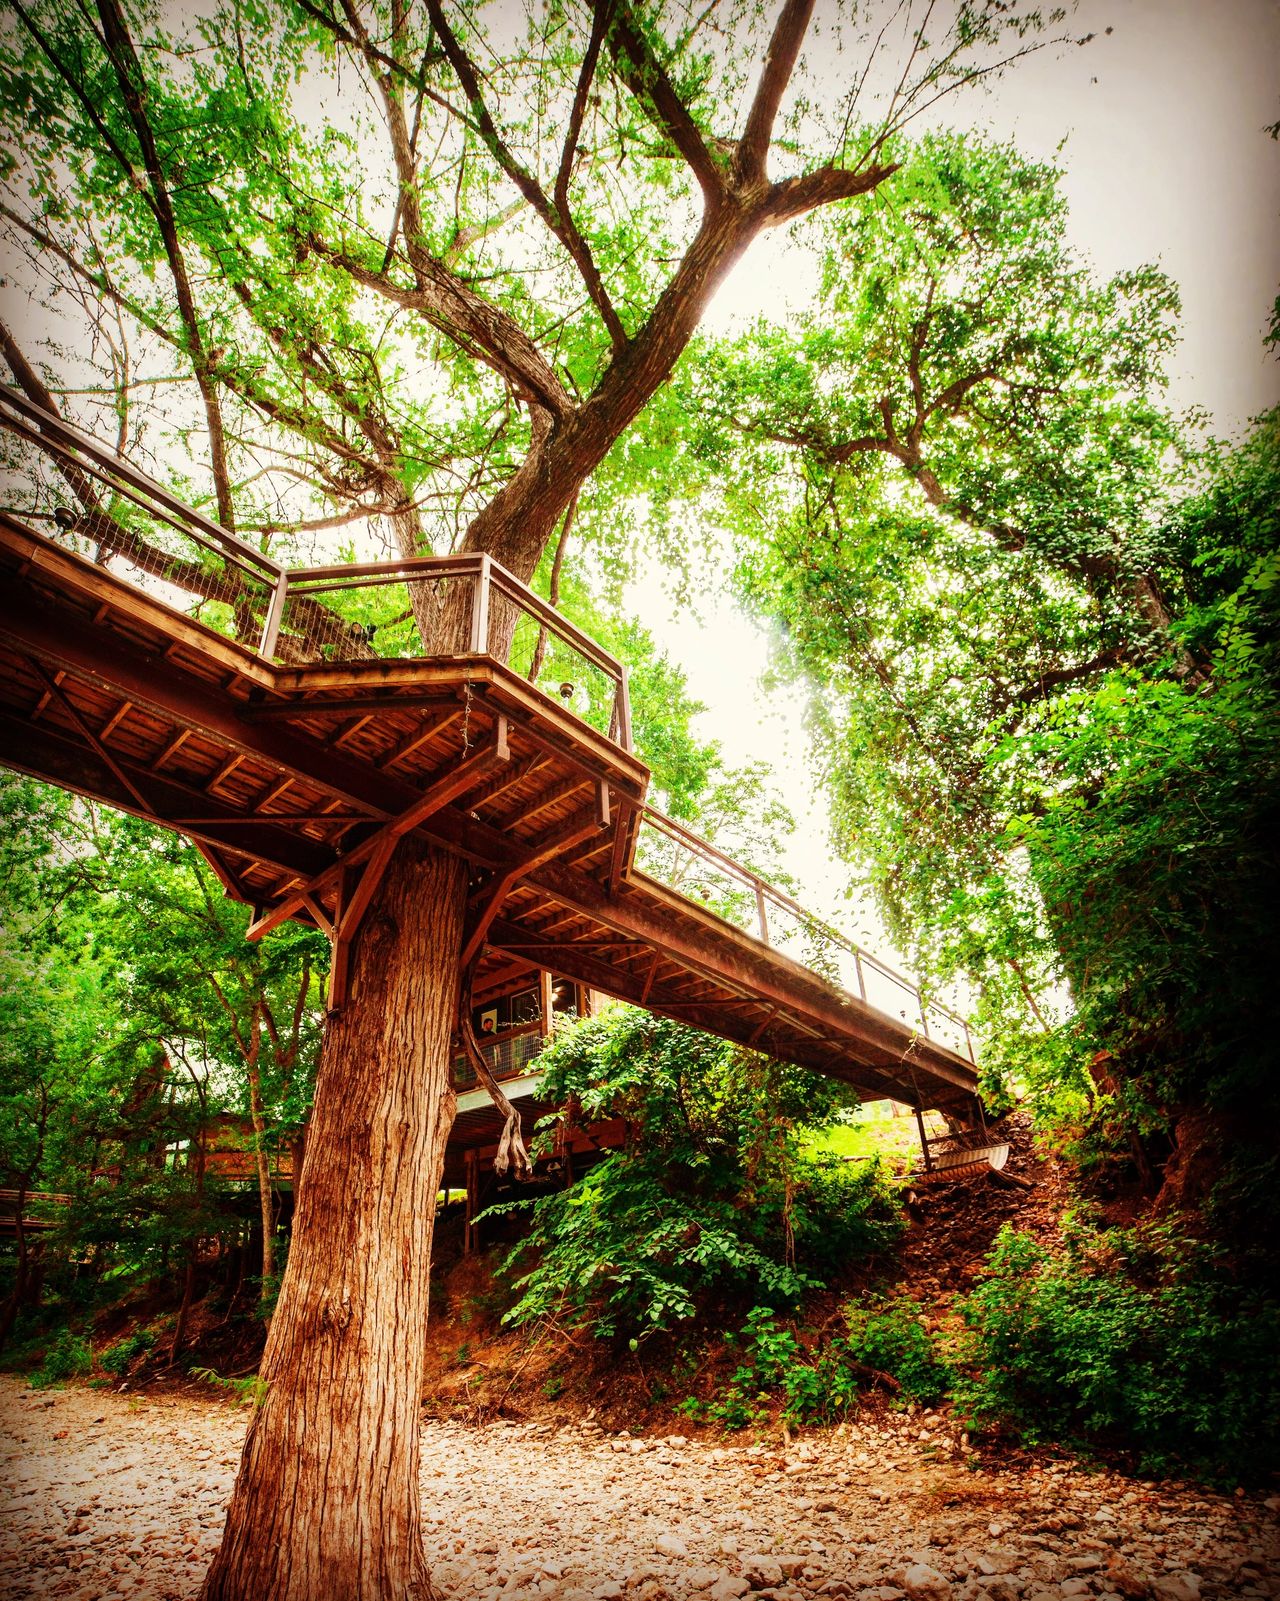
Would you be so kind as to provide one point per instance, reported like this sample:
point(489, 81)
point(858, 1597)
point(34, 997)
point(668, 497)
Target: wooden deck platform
point(291, 777)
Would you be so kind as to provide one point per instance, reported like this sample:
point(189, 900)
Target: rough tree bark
point(344, 1359)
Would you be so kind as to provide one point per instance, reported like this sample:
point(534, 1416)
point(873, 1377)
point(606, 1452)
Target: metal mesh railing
point(93, 503)
point(506, 1057)
point(678, 858)
point(85, 498)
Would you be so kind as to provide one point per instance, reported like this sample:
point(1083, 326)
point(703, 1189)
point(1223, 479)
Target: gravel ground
point(105, 1495)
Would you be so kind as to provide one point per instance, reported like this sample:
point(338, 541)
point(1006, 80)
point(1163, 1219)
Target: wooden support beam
point(51, 755)
point(541, 803)
point(113, 722)
point(271, 711)
point(618, 856)
point(446, 788)
point(57, 692)
point(230, 883)
point(419, 737)
point(225, 771)
point(490, 900)
point(171, 748)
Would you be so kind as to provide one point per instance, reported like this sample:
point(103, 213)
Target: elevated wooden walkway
point(149, 660)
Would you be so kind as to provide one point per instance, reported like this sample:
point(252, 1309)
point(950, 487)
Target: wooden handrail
point(763, 891)
point(55, 434)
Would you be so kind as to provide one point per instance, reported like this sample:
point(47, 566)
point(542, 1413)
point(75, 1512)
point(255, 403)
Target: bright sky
point(1166, 159)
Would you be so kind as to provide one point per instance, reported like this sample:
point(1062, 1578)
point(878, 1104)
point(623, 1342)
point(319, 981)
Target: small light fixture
point(64, 518)
point(566, 691)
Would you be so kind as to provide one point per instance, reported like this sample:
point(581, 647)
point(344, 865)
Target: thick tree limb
point(644, 75)
point(751, 157)
point(793, 197)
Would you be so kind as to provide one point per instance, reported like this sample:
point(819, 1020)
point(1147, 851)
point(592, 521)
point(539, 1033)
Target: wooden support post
point(761, 913)
point(480, 608)
point(546, 1002)
point(275, 615)
point(862, 982)
point(471, 1229)
point(924, 1139)
point(623, 698)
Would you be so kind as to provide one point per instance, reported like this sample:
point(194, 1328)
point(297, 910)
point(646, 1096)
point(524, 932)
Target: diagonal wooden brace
point(352, 896)
point(579, 827)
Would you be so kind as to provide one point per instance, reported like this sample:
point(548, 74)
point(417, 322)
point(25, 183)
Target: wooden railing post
point(622, 696)
point(275, 615)
point(857, 967)
point(480, 608)
point(761, 913)
point(924, 1015)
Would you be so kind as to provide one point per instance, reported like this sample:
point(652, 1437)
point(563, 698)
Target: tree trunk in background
point(265, 1200)
point(326, 1503)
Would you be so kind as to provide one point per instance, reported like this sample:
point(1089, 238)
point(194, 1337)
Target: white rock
point(923, 1583)
point(1178, 1587)
point(730, 1588)
point(762, 1572)
point(670, 1545)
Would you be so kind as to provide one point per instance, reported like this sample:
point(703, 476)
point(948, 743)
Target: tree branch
point(473, 323)
point(123, 58)
point(793, 197)
point(557, 217)
point(644, 75)
point(751, 157)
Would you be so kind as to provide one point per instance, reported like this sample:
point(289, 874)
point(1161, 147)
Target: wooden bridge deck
point(289, 776)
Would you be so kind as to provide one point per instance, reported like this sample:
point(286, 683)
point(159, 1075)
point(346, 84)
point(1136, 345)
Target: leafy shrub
point(713, 1197)
point(893, 1340)
point(119, 1358)
point(619, 1253)
point(69, 1357)
point(1131, 1338)
point(819, 1382)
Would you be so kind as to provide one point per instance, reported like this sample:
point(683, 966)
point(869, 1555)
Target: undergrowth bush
point(893, 1340)
point(1131, 1339)
point(816, 1378)
point(119, 1358)
point(67, 1357)
point(712, 1199)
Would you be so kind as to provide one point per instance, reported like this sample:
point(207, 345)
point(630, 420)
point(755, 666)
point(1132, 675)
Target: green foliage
point(622, 1255)
point(712, 1197)
point(250, 1390)
point(120, 1357)
point(129, 1008)
point(894, 1340)
point(818, 1379)
point(1131, 1339)
point(69, 1356)
point(811, 1385)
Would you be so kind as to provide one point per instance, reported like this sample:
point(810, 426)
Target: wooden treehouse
point(153, 661)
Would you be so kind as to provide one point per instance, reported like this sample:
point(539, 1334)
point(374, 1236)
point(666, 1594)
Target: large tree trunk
point(326, 1503)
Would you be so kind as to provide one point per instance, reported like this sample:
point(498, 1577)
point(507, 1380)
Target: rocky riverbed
point(105, 1495)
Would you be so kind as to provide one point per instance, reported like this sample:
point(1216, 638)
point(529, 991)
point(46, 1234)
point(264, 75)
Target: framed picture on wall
point(488, 1022)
